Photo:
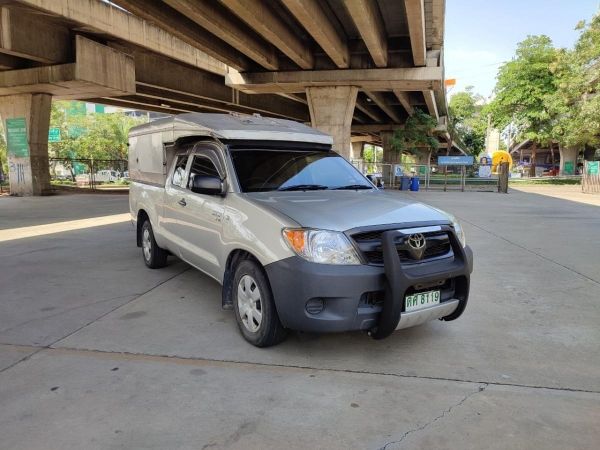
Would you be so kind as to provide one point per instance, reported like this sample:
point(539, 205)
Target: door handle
point(182, 202)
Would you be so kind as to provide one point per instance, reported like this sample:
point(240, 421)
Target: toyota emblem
point(416, 245)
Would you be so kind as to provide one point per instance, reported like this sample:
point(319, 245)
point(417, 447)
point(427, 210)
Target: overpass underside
point(356, 69)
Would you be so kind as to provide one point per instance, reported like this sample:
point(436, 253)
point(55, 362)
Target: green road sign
point(568, 168)
point(99, 108)
point(16, 137)
point(54, 134)
point(593, 167)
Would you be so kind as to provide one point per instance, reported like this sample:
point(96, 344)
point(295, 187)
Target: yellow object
point(501, 156)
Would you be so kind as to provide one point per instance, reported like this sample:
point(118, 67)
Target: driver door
point(202, 216)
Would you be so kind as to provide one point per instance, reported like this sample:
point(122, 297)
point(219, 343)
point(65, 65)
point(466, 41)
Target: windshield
point(295, 170)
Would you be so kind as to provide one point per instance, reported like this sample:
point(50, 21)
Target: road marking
point(12, 234)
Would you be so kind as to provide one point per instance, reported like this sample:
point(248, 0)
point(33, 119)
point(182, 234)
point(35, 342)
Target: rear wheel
point(154, 256)
point(254, 307)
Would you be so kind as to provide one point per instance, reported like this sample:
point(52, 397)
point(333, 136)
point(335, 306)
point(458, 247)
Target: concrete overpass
point(353, 68)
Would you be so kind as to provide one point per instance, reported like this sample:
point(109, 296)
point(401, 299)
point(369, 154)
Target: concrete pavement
point(96, 351)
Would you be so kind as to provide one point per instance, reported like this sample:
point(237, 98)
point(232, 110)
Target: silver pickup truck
point(298, 238)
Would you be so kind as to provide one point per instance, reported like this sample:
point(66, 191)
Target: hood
point(344, 210)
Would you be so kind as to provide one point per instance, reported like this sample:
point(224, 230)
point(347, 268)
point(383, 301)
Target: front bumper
point(367, 297)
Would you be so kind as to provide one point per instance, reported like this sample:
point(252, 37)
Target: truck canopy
point(151, 145)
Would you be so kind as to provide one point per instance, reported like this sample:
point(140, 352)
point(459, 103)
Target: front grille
point(437, 246)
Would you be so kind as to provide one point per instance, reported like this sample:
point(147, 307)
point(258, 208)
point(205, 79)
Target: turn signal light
point(296, 239)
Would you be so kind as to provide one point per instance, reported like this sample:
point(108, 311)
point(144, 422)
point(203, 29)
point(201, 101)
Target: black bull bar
point(399, 278)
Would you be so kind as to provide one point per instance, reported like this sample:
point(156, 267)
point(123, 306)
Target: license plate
point(421, 300)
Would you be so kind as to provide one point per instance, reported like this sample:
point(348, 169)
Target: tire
point(154, 256)
point(254, 307)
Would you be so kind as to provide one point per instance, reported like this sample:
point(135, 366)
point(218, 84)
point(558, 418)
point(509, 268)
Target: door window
point(179, 172)
point(201, 165)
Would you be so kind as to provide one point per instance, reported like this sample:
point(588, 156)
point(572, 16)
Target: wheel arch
point(233, 259)
point(142, 215)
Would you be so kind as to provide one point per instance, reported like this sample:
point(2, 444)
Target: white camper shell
point(153, 145)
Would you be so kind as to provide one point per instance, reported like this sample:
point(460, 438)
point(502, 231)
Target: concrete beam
point(379, 100)
point(431, 104)
point(265, 22)
point(186, 30)
point(331, 111)
point(376, 128)
point(8, 62)
point(404, 100)
point(367, 138)
point(415, 16)
point(367, 18)
point(49, 43)
point(78, 80)
point(155, 72)
point(401, 79)
point(435, 10)
point(212, 17)
point(311, 16)
point(362, 107)
point(100, 17)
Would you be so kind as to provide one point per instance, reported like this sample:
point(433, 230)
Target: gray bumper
point(345, 292)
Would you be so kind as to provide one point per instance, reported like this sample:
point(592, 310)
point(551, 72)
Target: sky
point(481, 34)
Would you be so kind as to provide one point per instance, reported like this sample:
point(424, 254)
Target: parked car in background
point(107, 176)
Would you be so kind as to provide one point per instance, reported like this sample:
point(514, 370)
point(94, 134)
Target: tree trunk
point(532, 160)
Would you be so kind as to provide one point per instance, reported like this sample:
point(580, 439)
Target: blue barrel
point(404, 183)
point(414, 184)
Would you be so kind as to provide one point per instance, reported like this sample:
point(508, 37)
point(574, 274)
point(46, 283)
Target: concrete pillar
point(357, 150)
point(331, 110)
point(26, 119)
point(569, 156)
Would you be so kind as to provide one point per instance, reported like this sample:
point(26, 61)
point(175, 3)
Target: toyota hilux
point(298, 238)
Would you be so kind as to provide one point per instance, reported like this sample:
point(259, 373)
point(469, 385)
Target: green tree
point(417, 132)
point(467, 122)
point(524, 90)
point(91, 136)
point(577, 78)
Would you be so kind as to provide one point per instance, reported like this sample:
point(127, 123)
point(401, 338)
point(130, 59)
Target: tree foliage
point(577, 78)
point(524, 90)
point(97, 136)
point(417, 132)
point(467, 121)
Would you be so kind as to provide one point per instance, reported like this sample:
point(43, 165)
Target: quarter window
point(179, 173)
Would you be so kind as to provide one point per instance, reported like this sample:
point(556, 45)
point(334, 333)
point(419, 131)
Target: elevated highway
point(356, 69)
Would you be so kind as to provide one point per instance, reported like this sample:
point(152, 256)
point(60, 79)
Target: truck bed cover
point(231, 127)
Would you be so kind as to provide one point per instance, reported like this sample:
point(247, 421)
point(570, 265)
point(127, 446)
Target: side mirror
point(206, 184)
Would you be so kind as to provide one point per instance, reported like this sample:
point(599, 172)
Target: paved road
point(96, 351)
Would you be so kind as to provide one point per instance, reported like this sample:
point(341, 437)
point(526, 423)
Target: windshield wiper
point(303, 187)
point(353, 187)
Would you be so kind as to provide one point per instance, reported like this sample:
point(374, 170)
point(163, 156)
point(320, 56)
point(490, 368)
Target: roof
point(234, 127)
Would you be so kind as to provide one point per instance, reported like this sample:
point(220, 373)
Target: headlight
point(459, 231)
point(321, 246)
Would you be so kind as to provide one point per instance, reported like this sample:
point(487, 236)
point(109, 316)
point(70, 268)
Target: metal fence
point(88, 173)
point(432, 176)
point(590, 180)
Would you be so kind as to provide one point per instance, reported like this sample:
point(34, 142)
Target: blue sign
point(455, 160)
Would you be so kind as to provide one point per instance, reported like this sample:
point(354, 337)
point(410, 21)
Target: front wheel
point(254, 307)
point(154, 256)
